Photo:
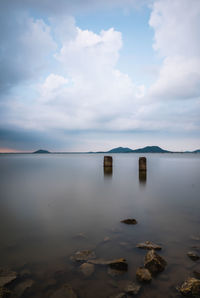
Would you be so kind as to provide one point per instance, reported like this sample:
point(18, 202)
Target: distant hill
point(41, 151)
point(148, 149)
point(196, 151)
point(120, 150)
point(151, 149)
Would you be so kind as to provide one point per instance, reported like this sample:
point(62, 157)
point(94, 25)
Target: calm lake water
point(54, 205)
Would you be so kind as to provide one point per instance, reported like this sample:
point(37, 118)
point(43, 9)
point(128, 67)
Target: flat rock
point(22, 287)
point(143, 275)
point(65, 291)
point(119, 264)
point(132, 288)
point(6, 276)
point(83, 255)
point(80, 236)
point(154, 262)
point(87, 269)
point(193, 255)
point(129, 221)
point(190, 288)
point(149, 245)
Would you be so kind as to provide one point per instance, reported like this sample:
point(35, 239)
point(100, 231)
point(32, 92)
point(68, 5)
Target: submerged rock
point(190, 288)
point(143, 275)
point(129, 221)
point(132, 288)
point(149, 245)
point(83, 255)
point(87, 269)
point(6, 276)
point(192, 255)
point(64, 291)
point(119, 264)
point(154, 262)
point(114, 272)
point(80, 236)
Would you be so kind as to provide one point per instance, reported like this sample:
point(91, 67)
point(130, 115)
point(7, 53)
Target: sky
point(94, 75)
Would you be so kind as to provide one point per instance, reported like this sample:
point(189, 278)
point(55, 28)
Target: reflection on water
point(142, 177)
point(108, 172)
point(54, 205)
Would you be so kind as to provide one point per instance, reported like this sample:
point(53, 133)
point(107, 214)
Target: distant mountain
point(196, 151)
point(151, 149)
point(148, 149)
point(41, 151)
point(120, 150)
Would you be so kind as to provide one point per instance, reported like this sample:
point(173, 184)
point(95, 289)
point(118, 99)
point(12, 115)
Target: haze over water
point(46, 201)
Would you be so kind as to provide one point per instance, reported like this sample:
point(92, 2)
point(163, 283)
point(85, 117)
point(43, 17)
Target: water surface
point(47, 200)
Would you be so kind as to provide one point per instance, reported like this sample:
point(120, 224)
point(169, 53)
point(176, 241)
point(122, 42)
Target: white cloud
point(177, 40)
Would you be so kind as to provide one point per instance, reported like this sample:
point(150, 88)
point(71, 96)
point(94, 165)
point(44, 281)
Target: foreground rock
point(87, 269)
point(83, 255)
point(154, 262)
point(64, 291)
point(132, 288)
point(6, 276)
point(143, 275)
point(149, 245)
point(129, 221)
point(192, 255)
point(190, 288)
point(118, 264)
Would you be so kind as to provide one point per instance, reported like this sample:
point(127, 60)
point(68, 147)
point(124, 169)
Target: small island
point(41, 151)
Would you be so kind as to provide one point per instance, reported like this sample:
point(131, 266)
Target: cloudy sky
point(87, 75)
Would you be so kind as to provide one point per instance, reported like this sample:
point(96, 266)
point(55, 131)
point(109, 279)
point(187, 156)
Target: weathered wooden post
point(107, 161)
point(142, 170)
point(142, 164)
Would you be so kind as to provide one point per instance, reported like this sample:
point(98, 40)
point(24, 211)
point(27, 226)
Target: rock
point(83, 255)
point(149, 245)
point(192, 255)
point(143, 275)
point(22, 287)
point(154, 262)
point(87, 269)
point(197, 272)
point(119, 264)
point(4, 293)
point(190, 288)
point(25, 273)
point(132, 288)
point(129, 221)
point(6, 276)
point(65, 291)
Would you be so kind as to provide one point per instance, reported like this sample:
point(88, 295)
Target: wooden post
point(107, 161)
point(142, 164)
